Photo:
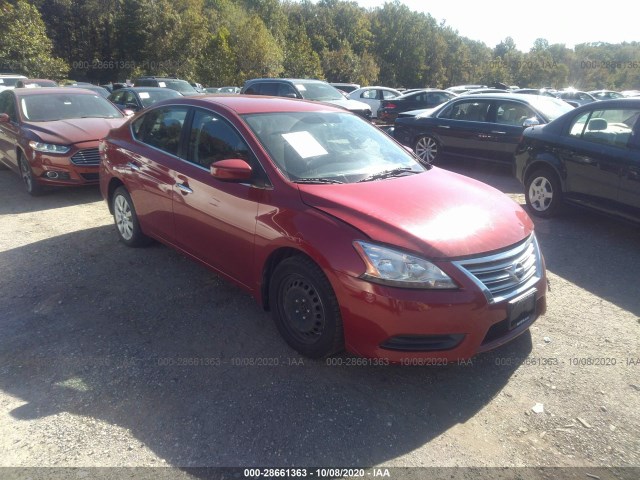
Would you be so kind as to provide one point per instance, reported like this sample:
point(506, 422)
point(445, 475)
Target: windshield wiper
point(395, 172)
point(316, 180)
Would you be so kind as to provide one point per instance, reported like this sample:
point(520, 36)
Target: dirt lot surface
point(111, 356)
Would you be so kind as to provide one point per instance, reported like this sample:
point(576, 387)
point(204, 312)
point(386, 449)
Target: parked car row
point(351, 241)
point(588, 156)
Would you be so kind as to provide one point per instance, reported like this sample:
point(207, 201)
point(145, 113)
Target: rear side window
point(161, 128)
point(613, 127)
point(470, 111)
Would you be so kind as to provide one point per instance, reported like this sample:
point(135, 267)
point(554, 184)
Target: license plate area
point(521, 309)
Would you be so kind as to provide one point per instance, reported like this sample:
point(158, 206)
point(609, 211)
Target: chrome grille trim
point(87, 157)
point(507, 274)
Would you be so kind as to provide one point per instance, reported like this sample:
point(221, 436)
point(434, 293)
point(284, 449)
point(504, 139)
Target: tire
point(427, 149)
point(543, 193)
point(315, 330)
point(126, 220)
point(26, 173)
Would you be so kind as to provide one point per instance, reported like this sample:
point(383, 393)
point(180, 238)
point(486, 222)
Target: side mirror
point(131, 106)
point(4, 118)
point(290, 95)
point(531, 122)
point(128, 112)
point(231, 170)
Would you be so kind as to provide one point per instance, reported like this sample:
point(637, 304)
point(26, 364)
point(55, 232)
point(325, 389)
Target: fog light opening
point(52, 174)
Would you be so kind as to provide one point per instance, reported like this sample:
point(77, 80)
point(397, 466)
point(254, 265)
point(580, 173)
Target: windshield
point(321, 92)
point(551, 108)
point(325, 147)
point(181, 86)
point(152, 96)
point(63, 106)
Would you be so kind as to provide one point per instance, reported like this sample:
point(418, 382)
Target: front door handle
point(184, 188)
point(134, 166)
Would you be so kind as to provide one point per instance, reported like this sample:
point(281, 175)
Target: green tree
point(258, 53)
point(25, 46)
point(300, 60)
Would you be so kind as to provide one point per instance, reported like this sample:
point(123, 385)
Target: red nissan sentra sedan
point(50, 135)
point(329, 223)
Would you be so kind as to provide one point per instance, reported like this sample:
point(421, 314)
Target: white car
point(8, 81)
point(372, 96)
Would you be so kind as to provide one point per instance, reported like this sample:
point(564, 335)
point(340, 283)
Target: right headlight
point(49, 147)
point(399, 269)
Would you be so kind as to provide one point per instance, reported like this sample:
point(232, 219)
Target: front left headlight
point(399, 269)
point(49, 147)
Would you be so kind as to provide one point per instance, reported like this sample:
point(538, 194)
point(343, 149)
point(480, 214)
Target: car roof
point(293, 80)
point(23, 92)
point(145, 89)
point(497, 96)
point(246, 104)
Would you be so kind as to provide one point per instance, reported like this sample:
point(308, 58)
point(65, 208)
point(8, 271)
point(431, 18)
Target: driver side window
point(213, 139)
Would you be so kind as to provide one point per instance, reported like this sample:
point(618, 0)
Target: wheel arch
point(545, 162)
point(114, 183)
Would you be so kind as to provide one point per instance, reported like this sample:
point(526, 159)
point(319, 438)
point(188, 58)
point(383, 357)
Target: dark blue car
point(589, 157)
point(481, 126)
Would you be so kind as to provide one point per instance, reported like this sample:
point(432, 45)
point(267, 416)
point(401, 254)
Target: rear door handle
point(444, 126)
point(184, 188)
point(498, 132)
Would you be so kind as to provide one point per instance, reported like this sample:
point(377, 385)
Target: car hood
point(437, 213)
point(75, 130)
point(349, 104)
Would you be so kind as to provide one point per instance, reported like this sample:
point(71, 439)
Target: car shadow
point(149, 341)
point(594, 252)
point(12, 188)
point(498, 176)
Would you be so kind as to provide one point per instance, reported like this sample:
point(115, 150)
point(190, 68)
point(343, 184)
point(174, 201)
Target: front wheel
point(30, 183)
point(305, 308)
point(124, 215)
point(427, 149)
point(543, 193)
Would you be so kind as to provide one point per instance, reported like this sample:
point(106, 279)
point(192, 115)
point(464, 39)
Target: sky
point(570, 22)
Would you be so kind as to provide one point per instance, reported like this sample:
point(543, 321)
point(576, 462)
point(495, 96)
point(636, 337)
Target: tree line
point(225, 42)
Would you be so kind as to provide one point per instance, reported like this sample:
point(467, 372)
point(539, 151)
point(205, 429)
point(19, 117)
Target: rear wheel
point(543, 193)
point(30, 183)
point(124, 215)
point(305, 308)
point(427, 149)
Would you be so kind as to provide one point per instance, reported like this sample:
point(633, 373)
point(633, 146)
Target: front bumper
point(400, 324)
point(60, 170)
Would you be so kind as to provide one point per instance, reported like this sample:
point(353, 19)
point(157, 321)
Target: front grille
point(504, 275)
point(87, 157)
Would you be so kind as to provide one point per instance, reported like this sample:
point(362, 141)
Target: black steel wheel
point(305, 308)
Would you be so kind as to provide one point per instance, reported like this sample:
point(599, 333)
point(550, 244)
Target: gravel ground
point(118, 357)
